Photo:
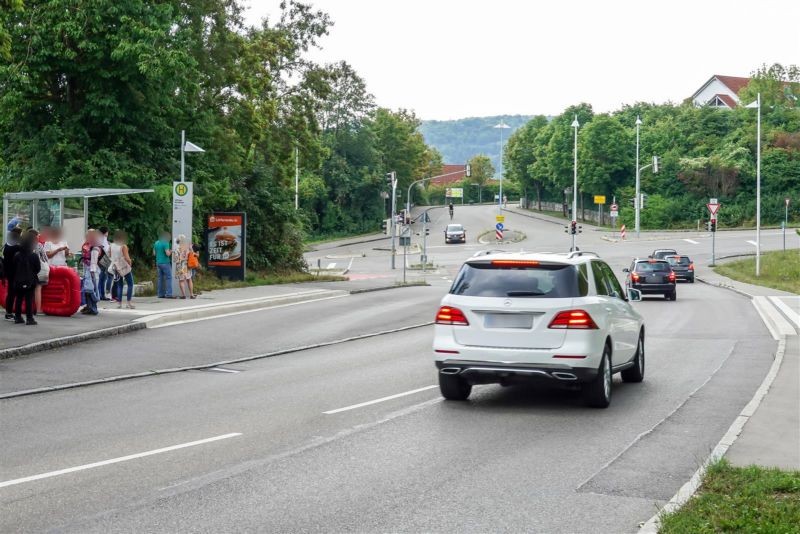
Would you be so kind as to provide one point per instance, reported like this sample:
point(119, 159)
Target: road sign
point(500, 218)
point(454, 192)
point(599, 199)
point(498, 234)
point(713, 209)
point(712, 201)
point(499, 226)
point(614, 211)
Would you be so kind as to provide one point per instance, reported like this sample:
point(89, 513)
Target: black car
point(682, 266)
point(661, 253)
point(652, 276)
point(455, 233)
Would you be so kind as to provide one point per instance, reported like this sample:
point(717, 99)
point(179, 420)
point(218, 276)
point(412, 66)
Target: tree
point(482, 171)
point(520, 156)
point(605, 156)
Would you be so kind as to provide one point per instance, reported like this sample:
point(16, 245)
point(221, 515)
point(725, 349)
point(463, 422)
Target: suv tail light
point(452, 316)
point(672, 276)
point(573, 320)
point(691, 266)
point(634, 277)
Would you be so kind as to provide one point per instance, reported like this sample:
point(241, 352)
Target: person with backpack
point(26, 271)
point(91, 252)
point(121, 267)
point(10, 249)
point(43, 276)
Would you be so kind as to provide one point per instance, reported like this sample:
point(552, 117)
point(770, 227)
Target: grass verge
point(753, 500)
point(779, 270)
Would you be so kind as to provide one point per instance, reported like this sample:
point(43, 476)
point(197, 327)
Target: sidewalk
point(53, 332)
point(771, 435)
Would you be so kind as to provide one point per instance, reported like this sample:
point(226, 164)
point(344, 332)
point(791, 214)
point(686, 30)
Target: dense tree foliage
point(95, 94)
point(459, 140)
point(705, 152)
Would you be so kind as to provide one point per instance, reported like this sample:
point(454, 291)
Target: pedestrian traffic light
point(713, 225)
point(574, 227)
point(427, 231)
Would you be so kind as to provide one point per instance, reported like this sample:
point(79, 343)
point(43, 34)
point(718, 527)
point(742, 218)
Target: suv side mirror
point(634, 295)
point(626, 270)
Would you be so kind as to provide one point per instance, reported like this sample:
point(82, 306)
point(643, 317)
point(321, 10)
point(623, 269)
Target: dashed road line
point(376, 401)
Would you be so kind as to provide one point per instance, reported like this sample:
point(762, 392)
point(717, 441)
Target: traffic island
point(489, 237)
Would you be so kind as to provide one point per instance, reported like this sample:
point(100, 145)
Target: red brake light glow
point(691, 266)
point(634, 276)
point(451, 316)
point(515, 263)
point(672, 276)
point(573, 320)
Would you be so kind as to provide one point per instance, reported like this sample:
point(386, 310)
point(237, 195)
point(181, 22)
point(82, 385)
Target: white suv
point(512, 318)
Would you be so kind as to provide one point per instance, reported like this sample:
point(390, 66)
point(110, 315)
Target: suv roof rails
point(581, 253)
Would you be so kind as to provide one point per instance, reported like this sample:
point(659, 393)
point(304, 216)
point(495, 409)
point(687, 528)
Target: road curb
point(199, 367)
point(724, 286)
point(687, 491)
point(49, 344)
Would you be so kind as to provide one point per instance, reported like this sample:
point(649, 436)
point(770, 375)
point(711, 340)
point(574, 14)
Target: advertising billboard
point(226, 239)
point(455, 192)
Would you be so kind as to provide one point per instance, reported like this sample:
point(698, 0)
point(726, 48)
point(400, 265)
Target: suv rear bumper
point(495, 372)
point(654, 288)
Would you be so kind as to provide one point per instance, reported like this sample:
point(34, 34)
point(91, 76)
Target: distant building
point(460, 174)
point(720, 92)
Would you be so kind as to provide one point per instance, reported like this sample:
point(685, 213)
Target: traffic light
point(574, 227)
point(632, 202)
point(644, 200)
point(655, 164)
point(713, 225)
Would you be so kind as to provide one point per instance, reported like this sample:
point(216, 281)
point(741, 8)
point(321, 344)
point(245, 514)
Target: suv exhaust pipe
point(450, 370)
point(560, 375)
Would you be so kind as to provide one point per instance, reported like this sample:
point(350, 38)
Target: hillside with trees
point(459, 140)
point(96, 95)
point(705, 152)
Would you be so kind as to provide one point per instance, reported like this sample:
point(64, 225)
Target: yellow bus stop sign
point(500, 218)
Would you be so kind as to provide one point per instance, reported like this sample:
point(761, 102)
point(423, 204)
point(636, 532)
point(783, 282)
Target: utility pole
point(574, 226)
point(758, 190)
point(502, 126)
point(392, 178)
point(637, 200)
point(296, 178)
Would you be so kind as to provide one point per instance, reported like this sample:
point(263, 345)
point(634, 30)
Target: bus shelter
point(67, 209)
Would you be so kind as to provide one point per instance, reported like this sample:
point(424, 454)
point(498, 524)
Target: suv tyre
point(636, 373)
point(453, 387)
point(597, 393)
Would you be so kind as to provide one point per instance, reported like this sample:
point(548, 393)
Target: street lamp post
point(637, 201)
point(501, 126)
point(757, 105)
point(573, 227)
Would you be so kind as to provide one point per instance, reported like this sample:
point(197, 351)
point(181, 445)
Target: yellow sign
point(599, 199)
point(181, 189)
point(500, 218)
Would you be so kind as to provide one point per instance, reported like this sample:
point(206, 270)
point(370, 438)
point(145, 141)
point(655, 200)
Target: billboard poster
point(455, 192)
point(226, 240)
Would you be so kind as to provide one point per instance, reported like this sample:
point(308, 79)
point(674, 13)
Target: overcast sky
point(448, 59)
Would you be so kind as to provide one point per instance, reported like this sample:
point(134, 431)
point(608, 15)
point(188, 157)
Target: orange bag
point(192, 261)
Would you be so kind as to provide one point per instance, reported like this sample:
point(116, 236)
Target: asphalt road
point(510, 459)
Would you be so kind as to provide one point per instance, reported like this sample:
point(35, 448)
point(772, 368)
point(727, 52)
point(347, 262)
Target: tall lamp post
point(637, 201)
point(501, 126)
point(574, 225)
point(757, 106)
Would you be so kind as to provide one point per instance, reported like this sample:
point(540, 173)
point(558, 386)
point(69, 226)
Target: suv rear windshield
point(482, 279)
point(679, 260)
point(652, 266)
point(661, 254)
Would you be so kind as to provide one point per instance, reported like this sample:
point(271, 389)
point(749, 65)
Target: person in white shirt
point(56, 249)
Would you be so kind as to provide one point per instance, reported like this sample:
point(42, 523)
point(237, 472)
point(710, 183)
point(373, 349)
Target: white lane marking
point(231, 314)
point(753, 243)
point(221, 370)
point(331, 265)
point(376, 401)
point(777, 325)
point(792, 315)
point(116, 460)
point(692, 241)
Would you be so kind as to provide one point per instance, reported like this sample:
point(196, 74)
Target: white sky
point(448, 59)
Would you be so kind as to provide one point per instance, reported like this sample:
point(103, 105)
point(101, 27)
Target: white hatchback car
point(522, 317)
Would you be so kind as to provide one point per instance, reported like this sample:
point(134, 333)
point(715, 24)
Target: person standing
point(26, 269)
point(90, 256)
point(43, 275)
point(123, 268)
point(10, 249)
point(56, 249)
point(104, 279)
point(162, 250)
point(182, 271)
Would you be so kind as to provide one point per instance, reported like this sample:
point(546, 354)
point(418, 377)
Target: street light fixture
point(501, 126)
point(186, 146)
point(757, 106)
point(637, 201)
point(575, 125)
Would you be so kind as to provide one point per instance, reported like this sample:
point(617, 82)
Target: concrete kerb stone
point(687, 491)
